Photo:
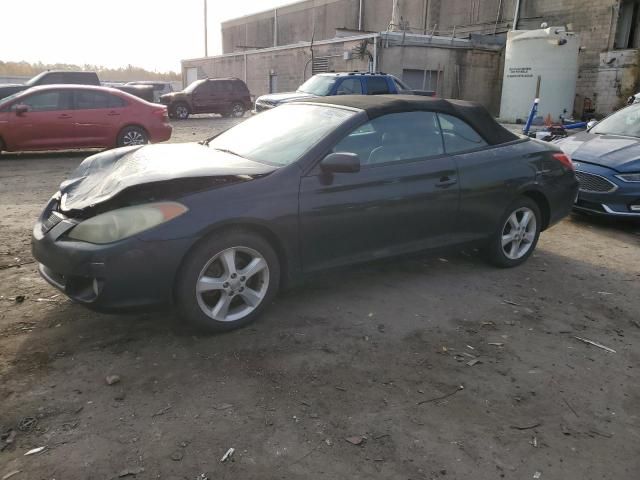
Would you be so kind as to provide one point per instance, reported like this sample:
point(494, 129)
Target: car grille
point(590, 182)
point(51, 221)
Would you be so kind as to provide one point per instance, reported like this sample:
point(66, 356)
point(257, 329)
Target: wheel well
point(543, 205)
point(2, 144)
point(263, 232)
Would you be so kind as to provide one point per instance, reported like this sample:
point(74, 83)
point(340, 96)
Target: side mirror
point(341, 162)
point(591, 124)
point(21, 109)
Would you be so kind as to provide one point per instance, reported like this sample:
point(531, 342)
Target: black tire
point(180, 110)
point(206, 259)
point(132, 135)
point(237, 110)
point(525, 238)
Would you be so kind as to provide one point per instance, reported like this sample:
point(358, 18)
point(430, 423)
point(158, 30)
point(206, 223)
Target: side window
point(52, 79)
point(377, 86)
point(90, 100)
point(399, 85)
point(458, 135)
point(45, 101)
point(350, 86)
point(396, 137)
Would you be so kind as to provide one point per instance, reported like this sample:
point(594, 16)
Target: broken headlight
point(125, 222)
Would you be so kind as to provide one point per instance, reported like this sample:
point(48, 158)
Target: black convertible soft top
point(473, 113)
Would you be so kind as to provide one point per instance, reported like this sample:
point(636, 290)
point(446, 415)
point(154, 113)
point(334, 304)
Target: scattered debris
point(496, 344)
point(534, 441)
point(525, 427)
point(131, 471)
point(27, 424)
point(163, 411)
point(202, 476)
point(34, 451)
point(228, 455)
point(224, 406)
point(605, 293)
point(328, 441)
point(601, 434)
point(537, 475)
point(8, 439)
point(342, 389)
point(570, 407)
point(435, 399)
point(177, 455)
point(16, 265)
point(595, 344)
point(378, 437)
point(509, 302)
point(381, 327)
point(565, 430)
point(11, 474)
point(473, 362)
point(356, 440)
point(635, 323)
point(19, 298)
point(112, 379)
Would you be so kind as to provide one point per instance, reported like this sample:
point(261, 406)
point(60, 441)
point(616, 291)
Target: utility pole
point(206, 42)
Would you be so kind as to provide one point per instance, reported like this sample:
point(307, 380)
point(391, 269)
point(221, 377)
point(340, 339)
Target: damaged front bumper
point(124, 275)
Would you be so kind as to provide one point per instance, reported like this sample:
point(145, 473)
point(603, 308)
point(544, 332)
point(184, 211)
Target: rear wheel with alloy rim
point(518, 234)
point(237, 110)
point(130, 136)
point(226, 282)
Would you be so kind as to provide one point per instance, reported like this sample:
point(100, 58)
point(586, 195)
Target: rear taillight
point(564, 159)
point(162, 113)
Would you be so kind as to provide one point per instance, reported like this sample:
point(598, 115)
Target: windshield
point(192, 86)
point(36, 79)
point(282, 135)
point(8, 99)
point(318, 85)
point(623, 122)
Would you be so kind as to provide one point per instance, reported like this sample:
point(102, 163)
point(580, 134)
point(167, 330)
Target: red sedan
point(60, 117)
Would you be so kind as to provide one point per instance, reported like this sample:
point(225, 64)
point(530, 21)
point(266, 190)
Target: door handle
point(64, 115)
point(446, 181)
point(113, 114)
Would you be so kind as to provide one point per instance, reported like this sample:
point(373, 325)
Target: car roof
point(377, 105)
point(345, 74)
point(71, 86)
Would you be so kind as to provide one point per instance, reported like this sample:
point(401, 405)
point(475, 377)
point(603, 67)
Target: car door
point(48, 122)
point(201, 97)
point(404, 198)
point(98, 116)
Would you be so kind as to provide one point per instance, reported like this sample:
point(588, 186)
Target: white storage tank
point(548, 56)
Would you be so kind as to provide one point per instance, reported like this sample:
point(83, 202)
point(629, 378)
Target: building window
point(273, 83)
point(421, 79)
point(628, 28)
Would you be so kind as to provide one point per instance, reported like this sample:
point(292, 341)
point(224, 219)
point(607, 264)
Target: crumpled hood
point(277, 98)
point(101, 177)
point(612, 151)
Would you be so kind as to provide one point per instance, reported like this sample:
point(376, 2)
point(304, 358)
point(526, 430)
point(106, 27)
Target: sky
point(153, 34)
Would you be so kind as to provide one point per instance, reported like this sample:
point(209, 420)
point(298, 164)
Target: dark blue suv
point(326, 84)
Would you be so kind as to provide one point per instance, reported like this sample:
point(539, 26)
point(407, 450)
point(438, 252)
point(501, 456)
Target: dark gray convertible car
point(216, 228)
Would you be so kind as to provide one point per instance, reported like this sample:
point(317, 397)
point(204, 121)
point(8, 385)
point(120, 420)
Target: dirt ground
point(420, 368)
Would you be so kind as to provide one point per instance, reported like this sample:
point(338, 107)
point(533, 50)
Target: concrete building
point(452, 46)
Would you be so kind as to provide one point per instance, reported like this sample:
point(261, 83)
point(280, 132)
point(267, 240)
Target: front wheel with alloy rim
point(227, 280)
point(518, 234)
point(130, 136)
